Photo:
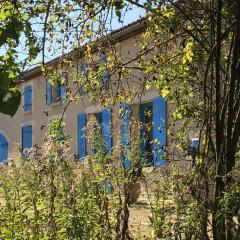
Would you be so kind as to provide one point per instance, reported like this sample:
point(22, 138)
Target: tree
point(15, 23)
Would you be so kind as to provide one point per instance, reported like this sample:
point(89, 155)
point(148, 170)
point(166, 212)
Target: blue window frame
point(56, 92)
point(3, 148)
point(153, 116)
point(104, 122)
point(27, 105)
point(26, 137)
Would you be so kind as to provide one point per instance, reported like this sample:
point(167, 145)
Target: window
point(194, 149)
point(153, 132)
point(97, 131)
point(125, 115)
point(98, 117)
point(26, 137)
point(146, 118)
point(104, 121)
point(56, 92)
point(104, 70)
point(27, 104)
point(3, 149)
point(84, 72)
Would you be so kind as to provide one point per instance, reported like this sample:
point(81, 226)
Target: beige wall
point(11, 128)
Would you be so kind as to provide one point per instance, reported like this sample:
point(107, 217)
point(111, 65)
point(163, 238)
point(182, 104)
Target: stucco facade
point(41, 112)
point(11, 127)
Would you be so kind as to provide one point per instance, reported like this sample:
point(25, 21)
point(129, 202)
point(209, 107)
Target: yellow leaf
point(148, 85)
point(165, 92)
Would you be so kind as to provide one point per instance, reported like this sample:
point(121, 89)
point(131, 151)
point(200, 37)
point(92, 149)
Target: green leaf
point(10, 101)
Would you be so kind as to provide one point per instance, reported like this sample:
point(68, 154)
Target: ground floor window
point(146, 118)
point(153, 117)
point(26, 137)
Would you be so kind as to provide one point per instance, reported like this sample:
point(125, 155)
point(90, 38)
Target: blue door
point(3, 148)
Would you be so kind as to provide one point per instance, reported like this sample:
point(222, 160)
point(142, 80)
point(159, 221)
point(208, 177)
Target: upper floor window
point(3, 148)
point(84, 73)
point(56, 92)
point(104, 70)
point(27, 104)
point(27, 137)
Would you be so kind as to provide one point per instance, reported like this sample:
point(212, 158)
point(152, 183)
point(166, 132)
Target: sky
point(130, 16)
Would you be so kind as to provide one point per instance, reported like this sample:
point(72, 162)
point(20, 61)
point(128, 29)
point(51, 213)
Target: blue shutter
point(48, 91)
point(27, 137)
point(125, 131)
point(159, 131)
point(106, 128)
point(27, 98)
point(81, 124)
point(3, 148)
point(63, 87)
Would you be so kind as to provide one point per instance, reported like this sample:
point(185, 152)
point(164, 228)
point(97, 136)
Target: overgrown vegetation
point(190, 53)
point(47, 194)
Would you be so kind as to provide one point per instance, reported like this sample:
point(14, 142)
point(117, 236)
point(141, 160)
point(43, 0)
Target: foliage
point(51, 195)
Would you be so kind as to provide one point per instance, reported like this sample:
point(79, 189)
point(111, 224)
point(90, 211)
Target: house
point(41, 101)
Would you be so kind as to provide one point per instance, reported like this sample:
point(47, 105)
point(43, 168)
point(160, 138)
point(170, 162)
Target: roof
point(115, 36)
